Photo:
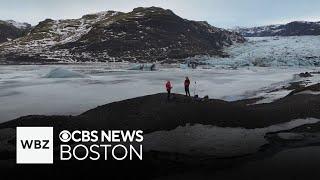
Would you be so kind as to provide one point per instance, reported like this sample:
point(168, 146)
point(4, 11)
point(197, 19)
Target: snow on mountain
point(10, 30)
point(296, 28)
point(19, 25)
point(145, 34)
point(49, 33)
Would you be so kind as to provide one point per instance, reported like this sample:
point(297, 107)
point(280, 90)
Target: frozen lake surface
point(27, 89)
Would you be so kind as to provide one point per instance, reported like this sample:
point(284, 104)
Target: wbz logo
point(34, 145)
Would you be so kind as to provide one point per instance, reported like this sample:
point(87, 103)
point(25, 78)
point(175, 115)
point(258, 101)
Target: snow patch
point(18, 25)
point(272, 96)
point(309, 92)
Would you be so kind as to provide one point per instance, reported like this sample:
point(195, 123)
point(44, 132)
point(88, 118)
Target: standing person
point(168, 87)
point(186, 86)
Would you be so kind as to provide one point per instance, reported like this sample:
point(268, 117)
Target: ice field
point(254, 69)
point(26, 90)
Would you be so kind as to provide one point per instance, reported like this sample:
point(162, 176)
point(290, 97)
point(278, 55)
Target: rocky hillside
point(296, 28)
point(142, 35)
point(10, 30)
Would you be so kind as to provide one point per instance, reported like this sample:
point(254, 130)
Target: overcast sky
point(221, 13)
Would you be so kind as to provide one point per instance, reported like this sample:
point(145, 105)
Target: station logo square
point(34, 145)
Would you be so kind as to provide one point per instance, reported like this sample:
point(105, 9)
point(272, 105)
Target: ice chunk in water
point(64, 73)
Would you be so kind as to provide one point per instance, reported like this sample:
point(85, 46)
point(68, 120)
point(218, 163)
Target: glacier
point(292, 51)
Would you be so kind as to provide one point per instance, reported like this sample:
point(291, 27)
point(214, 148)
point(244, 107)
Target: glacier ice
point(64, 73)
point(293, 51)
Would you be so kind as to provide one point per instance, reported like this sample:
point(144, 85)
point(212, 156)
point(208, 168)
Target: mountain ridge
point(10, 30)
point(295, 28)
point(142, 35)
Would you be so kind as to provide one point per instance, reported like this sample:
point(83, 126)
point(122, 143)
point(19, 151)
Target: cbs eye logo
point(65, 136)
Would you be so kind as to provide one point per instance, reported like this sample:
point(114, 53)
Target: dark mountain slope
point(11, 30)
point(142, 35)
point(154, 33)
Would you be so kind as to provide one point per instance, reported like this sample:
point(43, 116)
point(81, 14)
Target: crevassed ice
point(271, 51)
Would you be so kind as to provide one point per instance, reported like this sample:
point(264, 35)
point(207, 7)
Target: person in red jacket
point(186, 86)
point(168, 87)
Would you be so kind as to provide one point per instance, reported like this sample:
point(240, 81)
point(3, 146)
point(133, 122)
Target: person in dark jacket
point(186, 86)
point(168, 87)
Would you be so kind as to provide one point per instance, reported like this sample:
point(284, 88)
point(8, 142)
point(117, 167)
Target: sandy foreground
point(188, 137)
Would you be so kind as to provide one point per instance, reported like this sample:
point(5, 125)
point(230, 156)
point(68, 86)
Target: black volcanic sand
point(152, 113)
